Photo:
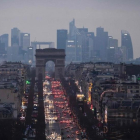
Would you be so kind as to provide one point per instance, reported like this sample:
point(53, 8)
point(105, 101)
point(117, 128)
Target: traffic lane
point(67, 116)
point(50, 115)
point(72, 129)
point(68, 131)
point(52, 126)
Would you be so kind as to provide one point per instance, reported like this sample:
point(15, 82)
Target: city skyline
point(112, 16)
point(69, 69)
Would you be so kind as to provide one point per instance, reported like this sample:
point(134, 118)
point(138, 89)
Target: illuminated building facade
point(80, 101)
point(70, 51)
point(25, 41)
point(89, 93)
point(126, 41)
point(30, 55)
point(111, 50)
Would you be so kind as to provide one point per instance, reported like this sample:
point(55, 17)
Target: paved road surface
point(56, 112)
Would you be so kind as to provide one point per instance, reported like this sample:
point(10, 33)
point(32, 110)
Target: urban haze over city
point(69, 70)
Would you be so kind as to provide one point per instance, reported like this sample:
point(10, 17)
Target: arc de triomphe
point(50, 54)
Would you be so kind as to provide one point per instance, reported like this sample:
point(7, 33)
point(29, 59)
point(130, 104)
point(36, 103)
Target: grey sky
point(41, 18)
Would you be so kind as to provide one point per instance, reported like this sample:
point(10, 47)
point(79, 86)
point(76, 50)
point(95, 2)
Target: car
point(77, 132)
point(35, 107)
point(71, 127)
point(68, 136)
point(34, 114)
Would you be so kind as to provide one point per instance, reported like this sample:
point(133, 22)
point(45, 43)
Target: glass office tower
point(126, 42)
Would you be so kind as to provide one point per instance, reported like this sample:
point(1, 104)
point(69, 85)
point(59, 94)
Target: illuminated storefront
point(80, 97)
point(80, 101)
point(89, 93)
point(105, 115)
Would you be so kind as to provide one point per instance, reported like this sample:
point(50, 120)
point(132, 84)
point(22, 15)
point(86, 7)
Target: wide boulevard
point(59, 122)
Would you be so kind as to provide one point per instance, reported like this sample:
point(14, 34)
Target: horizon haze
point(42, 18)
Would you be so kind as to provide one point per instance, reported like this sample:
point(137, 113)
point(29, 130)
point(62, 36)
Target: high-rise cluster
point(20, 44)
point(83, 46)
point(21, 48)
point(80, 45)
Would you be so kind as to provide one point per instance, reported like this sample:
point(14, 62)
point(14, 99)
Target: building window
point(123, 122)
point(136, 87)
point(119, 122)
point(128, 122)
point(128, 115)
point(139, 122)
point(134, 115)
point(119, 114)
point(131, 91)
point(129, 87)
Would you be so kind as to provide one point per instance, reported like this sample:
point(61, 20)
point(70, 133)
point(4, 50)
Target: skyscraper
point(112, 48)
point(101, 44)
point(82, 48)
point(2, 48)
point(61, 39)
point(72, 28)
point(25, 41)
point(15, 37)
point(70, 51)
point(90, 43)
point(4, 39)
point(30, 55)
point(85, 30)
point(126, 42)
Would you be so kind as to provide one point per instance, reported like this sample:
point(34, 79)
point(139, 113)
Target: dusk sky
point(41, 18)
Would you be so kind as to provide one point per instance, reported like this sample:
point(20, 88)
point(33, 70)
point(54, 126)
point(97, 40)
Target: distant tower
point(126, 42)
point(15, 36)
point(5, 39)
point(72, 29)
point(112, 48)
point(61, 39)
point(25, 41)
point(101, 44)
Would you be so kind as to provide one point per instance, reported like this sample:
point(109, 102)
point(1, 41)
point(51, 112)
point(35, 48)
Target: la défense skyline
point(42, 18)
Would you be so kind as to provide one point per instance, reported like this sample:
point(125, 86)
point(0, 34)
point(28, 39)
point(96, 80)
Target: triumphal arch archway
point(50, 54)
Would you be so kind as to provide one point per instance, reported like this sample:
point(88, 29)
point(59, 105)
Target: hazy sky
point(41, 18)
